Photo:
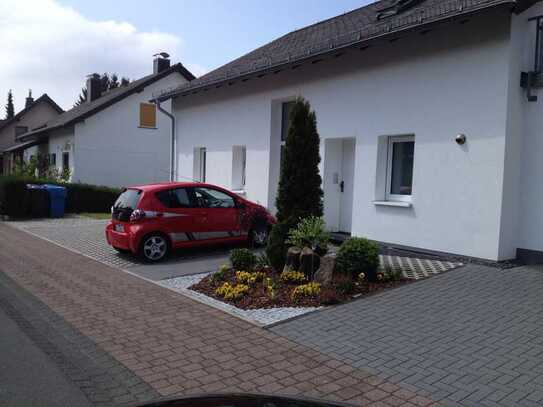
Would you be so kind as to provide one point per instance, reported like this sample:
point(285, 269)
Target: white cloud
point(51, 48)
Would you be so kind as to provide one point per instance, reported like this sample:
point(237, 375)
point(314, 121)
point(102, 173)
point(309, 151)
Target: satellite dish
point(162, 54)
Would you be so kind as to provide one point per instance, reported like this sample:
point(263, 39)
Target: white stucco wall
point(110, 148)
point(63, 141)
point(452, 80)
point(531, 187)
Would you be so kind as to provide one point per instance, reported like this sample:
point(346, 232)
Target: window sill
point(398, 204)
point(147, 127)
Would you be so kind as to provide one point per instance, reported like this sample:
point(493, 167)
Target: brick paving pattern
point(176, 345)
point(472, 337)
point(102, 379)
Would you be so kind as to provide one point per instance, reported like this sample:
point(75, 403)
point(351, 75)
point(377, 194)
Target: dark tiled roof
point(42, 99)
point(85, 110)
point(349, 29)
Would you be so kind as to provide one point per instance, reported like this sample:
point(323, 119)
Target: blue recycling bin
point(57, 197)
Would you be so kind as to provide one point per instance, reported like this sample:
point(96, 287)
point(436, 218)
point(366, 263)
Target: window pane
point(211, 198)
point(182, 198)
point(285, 119)
point(238, 167)
point(203, 158)
point(402, 168)
point(128, 199)
point(65, 161)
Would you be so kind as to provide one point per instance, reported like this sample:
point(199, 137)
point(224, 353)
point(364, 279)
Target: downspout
point(173, 142)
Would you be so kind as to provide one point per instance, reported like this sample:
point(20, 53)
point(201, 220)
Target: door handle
point(342, 186)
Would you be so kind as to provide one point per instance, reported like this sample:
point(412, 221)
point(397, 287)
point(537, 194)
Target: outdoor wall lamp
point(460, 139)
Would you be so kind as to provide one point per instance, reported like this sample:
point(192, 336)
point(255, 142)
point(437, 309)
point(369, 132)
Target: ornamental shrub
point(276, 250)
point(221, 274)
point(358, 255)
point(310, 232)
point(242, 259)
point(15, 198)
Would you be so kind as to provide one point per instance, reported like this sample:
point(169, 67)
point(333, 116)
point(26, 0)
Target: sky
point(50, 46)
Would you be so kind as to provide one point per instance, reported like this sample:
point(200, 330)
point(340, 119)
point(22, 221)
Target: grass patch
point(100, 216)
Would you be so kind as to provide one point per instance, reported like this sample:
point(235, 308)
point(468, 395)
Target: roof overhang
point(24, 146)
point(356, 42)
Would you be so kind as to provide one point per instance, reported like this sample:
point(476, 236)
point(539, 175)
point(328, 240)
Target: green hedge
point(14, 199)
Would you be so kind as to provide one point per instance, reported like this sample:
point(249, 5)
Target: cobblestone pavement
point(472, 337)
point(170, 342)
point(86, 236)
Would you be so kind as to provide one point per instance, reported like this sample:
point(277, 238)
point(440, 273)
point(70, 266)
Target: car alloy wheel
point(155, 248)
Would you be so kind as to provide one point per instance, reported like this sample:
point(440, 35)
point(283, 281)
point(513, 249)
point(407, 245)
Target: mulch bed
point(258, 296)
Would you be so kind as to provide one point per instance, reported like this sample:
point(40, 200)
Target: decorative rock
point(309, 262)
point(325, 273)
point(293, 258)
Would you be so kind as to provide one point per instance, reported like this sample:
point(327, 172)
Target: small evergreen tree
point(10, 109)
point(300, 193)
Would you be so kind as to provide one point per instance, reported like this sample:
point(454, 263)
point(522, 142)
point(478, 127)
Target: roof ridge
point(295, 47)
point(107, 99)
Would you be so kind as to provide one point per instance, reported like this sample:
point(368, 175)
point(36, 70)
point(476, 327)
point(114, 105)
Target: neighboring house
point(396, 86)
point(35, 113)
point(115, 138)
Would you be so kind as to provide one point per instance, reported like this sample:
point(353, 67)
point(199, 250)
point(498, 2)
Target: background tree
point(300, 193)
point(113, 81)
point(107, 83)
point(10, 109)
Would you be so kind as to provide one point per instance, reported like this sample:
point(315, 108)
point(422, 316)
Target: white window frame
point(239, 167)
point(390, 149)
point(200, 158)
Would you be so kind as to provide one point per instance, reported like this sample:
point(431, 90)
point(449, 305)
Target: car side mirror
point(241, 205)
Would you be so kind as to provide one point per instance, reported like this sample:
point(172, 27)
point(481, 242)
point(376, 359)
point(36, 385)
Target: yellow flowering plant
point(292, 277)
point(244, 277)
point(306, 290)
point(232, 292)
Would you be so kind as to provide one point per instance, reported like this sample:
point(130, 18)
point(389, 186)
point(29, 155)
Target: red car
point(151, 220)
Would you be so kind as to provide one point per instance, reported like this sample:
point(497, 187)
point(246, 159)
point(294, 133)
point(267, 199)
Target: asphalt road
point(28, 377)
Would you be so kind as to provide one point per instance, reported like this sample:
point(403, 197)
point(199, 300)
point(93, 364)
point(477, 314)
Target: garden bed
point(258, 295)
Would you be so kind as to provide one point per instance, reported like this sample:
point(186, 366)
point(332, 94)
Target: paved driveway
point(473, 336)
point(86, 236)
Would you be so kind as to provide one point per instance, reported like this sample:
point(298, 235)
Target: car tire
point(154, 248)
point(258, 235)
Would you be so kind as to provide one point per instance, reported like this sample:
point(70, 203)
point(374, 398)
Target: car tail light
point(136, 215)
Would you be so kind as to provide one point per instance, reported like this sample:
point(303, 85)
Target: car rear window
point(175, 198)
point(128, 199)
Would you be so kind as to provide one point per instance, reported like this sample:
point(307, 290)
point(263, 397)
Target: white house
point(116, 138)
point(35, 113)
point(429, 139)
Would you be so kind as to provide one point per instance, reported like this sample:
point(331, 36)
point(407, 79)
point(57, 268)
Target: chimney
point(94, 87)
point(161, 62)
point(29, 99)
